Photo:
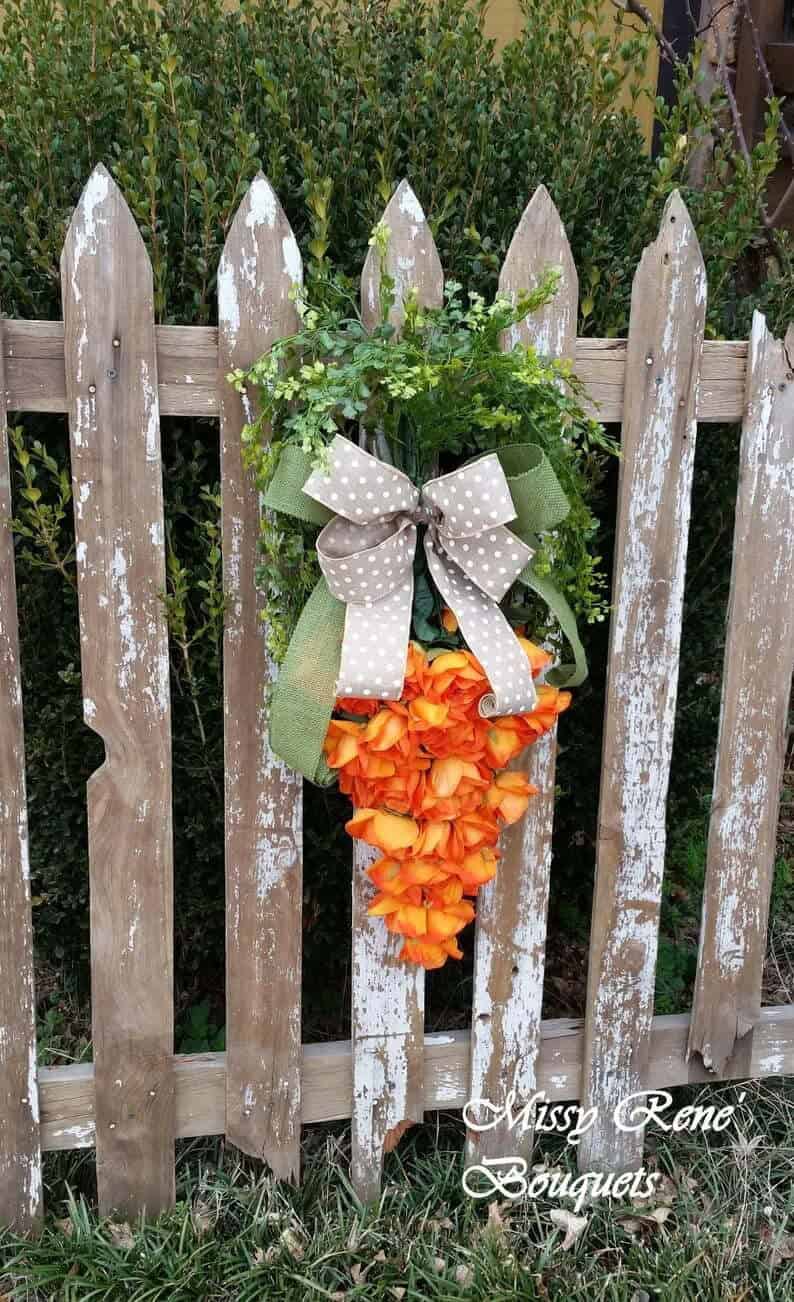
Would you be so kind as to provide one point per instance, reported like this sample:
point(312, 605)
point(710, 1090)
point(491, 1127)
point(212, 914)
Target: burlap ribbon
point(352, 637)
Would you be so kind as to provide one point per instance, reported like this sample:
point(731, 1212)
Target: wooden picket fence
point(115, 372)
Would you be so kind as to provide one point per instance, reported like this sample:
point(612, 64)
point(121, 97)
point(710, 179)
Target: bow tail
point(375, 645)
point(488, 635)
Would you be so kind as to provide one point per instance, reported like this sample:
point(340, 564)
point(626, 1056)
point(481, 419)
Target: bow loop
point(472, 499)
point(366, 553)
point(359, 487)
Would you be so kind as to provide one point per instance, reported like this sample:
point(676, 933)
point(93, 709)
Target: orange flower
point(551, 702)
point(341, 743)
point(503, 740)
point(448, 620)
point(428, 954)
point(509, 795)
point(389, 832)
point(537, 657)
point(422, 774)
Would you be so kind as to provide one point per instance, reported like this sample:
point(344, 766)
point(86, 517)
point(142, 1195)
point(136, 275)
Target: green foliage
point(441, 391)
point(197, 1031)
point(184, 102)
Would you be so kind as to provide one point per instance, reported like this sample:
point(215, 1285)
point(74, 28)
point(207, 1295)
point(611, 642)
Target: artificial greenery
point(441, 390)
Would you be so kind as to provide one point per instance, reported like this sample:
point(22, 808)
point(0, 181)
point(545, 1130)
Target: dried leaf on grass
point(664, 1194)
point(778, 1247)
point(648, 1221)
point(289, 1239)
point(121, 1234)
point(203, 1217)
point(574, 1226)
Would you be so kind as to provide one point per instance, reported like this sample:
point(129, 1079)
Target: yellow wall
point(503, 22)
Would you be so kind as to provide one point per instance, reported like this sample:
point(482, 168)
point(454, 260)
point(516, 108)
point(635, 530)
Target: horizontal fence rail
point(115, 373)
point(187, 366)
point(67, 1093)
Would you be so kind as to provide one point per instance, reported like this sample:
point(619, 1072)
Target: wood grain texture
point(665, 339)
point(20, 1154)
point(756, 686)
point(388, 996)
point(264, 799)
point(67, 1093)
point(511, 910)
point(111, 366)
point(768, 17)
point(187, 359)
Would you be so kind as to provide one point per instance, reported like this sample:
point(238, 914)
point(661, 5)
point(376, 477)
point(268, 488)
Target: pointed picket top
point(260, 257)
point(101, 217)
point(411, 259)
point(540, 242)
point(674, 255)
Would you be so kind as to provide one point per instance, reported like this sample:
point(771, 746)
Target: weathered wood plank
point(665, 338)
point(759, 661)
point(111, 369)
point(187, 359)
point(67, 1093)
point(20, 1154)
point(387, 994)
point(511, 910)
point(264, 799)
point(767, 17)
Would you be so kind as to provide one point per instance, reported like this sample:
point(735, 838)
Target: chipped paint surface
point(665, 336)
point(263, 800)
point(388, 1022)
point(20, 1155)
point(117, 482)
point(750, 744)
point(388, 995)
point(511, 923)
point(262, 205)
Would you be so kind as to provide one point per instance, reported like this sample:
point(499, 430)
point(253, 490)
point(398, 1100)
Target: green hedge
point(336, 102)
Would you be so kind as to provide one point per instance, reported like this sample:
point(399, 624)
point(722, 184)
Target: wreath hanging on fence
point(426, 505)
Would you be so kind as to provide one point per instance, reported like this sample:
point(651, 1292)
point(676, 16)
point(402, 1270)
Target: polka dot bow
point(367, 552)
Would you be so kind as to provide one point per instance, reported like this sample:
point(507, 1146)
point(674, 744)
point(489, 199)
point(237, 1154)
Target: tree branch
point(646, 17)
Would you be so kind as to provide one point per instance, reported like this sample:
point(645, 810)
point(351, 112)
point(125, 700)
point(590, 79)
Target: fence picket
point(264, 799)
point(759, 650)
point(511, 910)
point(20, 1153)
point(388, 996)
point(111, 375)
point(664, 347)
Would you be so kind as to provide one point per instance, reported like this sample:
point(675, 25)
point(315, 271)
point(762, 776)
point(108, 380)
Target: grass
point(721, 1226)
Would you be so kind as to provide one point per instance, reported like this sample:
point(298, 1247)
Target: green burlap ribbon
point(304, 694)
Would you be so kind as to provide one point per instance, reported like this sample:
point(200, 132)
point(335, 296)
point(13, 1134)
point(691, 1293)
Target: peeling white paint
point(228, 302)
point(87, 222)
point(410, 205)
point(151, 414)
point(263, 205)
point(644, 656)
point(293, 265)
